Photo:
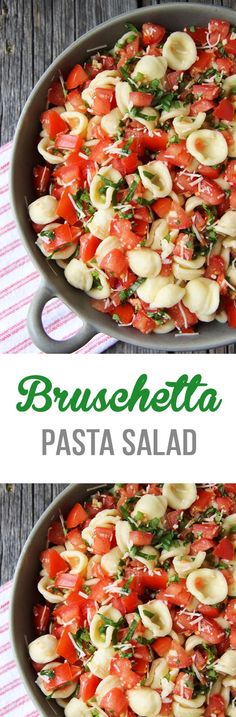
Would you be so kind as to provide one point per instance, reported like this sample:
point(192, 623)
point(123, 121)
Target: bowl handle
point(38, 334)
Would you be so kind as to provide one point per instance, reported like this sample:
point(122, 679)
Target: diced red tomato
point(176, 155)
point(231, 313)
point(230, 172)
point(202, 105)
point(173, 517)
point(224, 110)
point(61, 675)
point(41, 615)
point(98, 589)
point(232, 199)
point(88, 685)
point(128, 51)
point(114, 702)
point(75, 99)
point(216, 706)
point(205, 530)
point(173, 79)
point(162, 206)
point(155, 579)
point(209, 172)
point(177, 217)
point(126, 165)
point(124, 312)
point(230, 47)
point(162, 645)
point(152, 33)
point(184, 247)
point(225, 65)
point(53, 123)
point(210, 192)
point(70, 610)
point(56, 534)
point(198, 34)
point(218, 30)
point(156, 140)
point(76, 516)
point(203, 501)
point(224, 549)
point(77, 76)
point(102, 540)
point(207, 628)
point(53, 563)
point(184, 685)
point(143, 323)
point(166, 268)
point(41, 177)
point(65, 208)
point(176, 594)
point(103, 100)
point(121, 667)
point(88, 246)
point(74, 537)
point(230, 612)
point(141, 99)
point(232, 638)
point(208, 610)
point(68, 581)
point(139, 537)
point(204, 61)
point(201, 544)
point(115, 262)
point(207, 92)
point(178, 657)
point(182, 317)
point(65, 647)
point(71, 142)
point(230, 487)
point(122, 228)
point(225, 503)
point(56, 95)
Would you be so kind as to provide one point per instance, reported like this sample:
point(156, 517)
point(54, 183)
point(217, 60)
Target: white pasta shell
point(62, 692)
point(214, 148)
point(229, 523)
point(173, 111)
point(123, 530)
point(109, 683)
point(110, 123)
point(43, 210)
point(78, 561)
point(77, 121)
point(161, 623)
point(99, 225)
point(98, 200)
point(150, 559)
point(184, 565)
point(232, 144)
point(44, 586)
point(123, 91)
point(152, 506)
point(232, 585)
point(227, 224)
point(185, 125)
point(43, 148)
point(77, 708)
point(103, 290)
point(227, 663)
point(43, 649)
point(144, 701)
point(58, 255)
point(178, 550)
point(78, 275)
point(213, 588)
point(192, 202)
point(103, 640)
point(229, 84)
point(180, 496)
point(179, 51)
point(180, 711)
point(165, 328)
point(185, 273)
point(151, 67)
point(168, 296)
point(148, 290)
point(144, 262)
point(202, 296)
point(100, 662)
point(161, 184)
point(110, 561)
point(105, 518)
point(106, 78)
point(194, 703)
point(105, 247)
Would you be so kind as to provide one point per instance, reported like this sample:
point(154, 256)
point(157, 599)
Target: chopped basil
point(131, 629)
point(148, 613)
point(137, 112)
point(126, 293)
point(132, 190)
point(47, 673)
point(97, 284)
point(47, 233)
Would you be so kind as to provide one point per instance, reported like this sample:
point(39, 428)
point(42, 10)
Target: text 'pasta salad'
point(137, 193)
point(138, 604)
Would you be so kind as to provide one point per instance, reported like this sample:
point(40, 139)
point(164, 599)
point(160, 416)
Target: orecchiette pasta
point(207, 146)
point(152, 68)
point(208, 585)
point(202, 296)
point(180, 496)
point(144, 262)
point(179, 51)
point(43, 210)
point(150, 506)
point(43, 649)
point(156, 178)
point(144, 701)
point(156, 618)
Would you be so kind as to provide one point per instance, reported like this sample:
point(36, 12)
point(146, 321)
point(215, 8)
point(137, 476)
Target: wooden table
point(34, 32)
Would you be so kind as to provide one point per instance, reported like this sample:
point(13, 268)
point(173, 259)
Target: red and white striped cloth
point(13, 698)
point(18, 282)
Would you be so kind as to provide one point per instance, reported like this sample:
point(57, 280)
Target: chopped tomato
point(232, 638)
point(207, 92)
point(41, 614)
point(77, 76)
point(205, 530)
point(202, 105)
point(173, 517)
point(61, 675)
point(65, 646)
point(216, 706)
point(74, 537)
point(176, 155)
point(143, 323)
point(166, 269)
point(201, 544)
point(56, 534)
point(114, 702)
point(198, 34)
point(152, 33)
point(154, 579)
point(176, 594)
point(208, 610)
point(210, 172)
point(182, 317)
point(68, 581)
point(210, 192)
point(122, 228)
point(124, 312)
point(102, 540)
point(103, 100)
point(141, 99)
point(126, 603)
point(218, 30)
point(224, 110)
point(70, 612)
point(173, 79)
point(207, 628)
point(139, 537)
point(88, 246)
point(88, 685)
point(184, 685)
point(53, 563)
point(162, 206)
point(126, 165)
point(203, 501)
point(204, 61)
point(56, 95)
point(53, 123)
point(128, 51)
point(75, 99)
point(115, 262)
point(156, 140)
point(230, 172)
point(76, 516)
point(178, 657)
point(72, 142)
point(121, 667)
point(98, 590)
point(162, 645)
point(41, 177)
point(184, 247)
point(177, 217)
point(231, 313)
point(230, 47)
point(224, 549)
point(232, 199)
point(225, 503)
point(230, 612)
point(65, 207)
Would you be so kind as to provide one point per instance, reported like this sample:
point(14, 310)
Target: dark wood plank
point(20, 507)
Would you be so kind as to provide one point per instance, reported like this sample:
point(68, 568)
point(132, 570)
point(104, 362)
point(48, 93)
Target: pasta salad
point(138, 604)
point(136, 196)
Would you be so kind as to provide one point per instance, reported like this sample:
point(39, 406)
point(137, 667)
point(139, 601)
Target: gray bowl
point(25, 594)
point(174, 16)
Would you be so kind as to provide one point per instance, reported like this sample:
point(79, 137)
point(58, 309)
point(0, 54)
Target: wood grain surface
point(33, 33)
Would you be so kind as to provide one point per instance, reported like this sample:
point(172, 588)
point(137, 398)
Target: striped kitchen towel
point(18, 282)
point(14, 701)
